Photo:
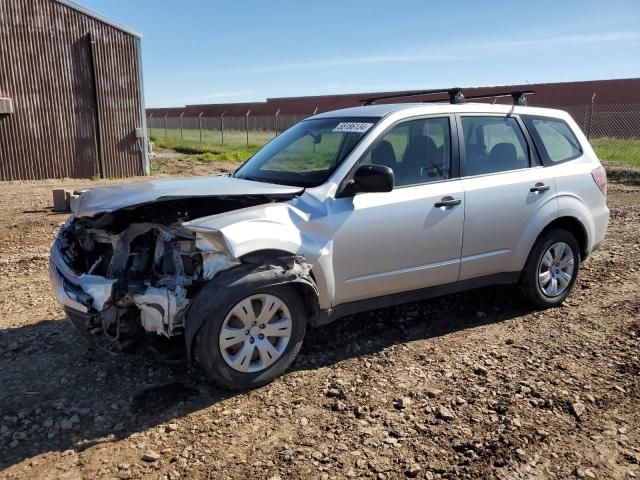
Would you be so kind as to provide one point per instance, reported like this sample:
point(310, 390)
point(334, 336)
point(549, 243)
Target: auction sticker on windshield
point(352, 127)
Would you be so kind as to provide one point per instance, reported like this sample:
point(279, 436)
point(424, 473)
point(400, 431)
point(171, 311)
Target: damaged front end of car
point(134, 271)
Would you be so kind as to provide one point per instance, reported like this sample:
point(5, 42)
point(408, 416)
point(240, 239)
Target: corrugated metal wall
point(46, 68)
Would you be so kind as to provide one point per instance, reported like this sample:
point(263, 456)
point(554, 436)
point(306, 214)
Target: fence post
point(246, 124)
point(222, 128)
point(165, 126)
point(315, 111)
point(200, 125)
point(593, 99)
point(276, 123)
point(150, 127)
point(181, 134)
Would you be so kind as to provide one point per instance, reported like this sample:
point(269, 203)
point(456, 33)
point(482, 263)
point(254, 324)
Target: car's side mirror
point(372, 178)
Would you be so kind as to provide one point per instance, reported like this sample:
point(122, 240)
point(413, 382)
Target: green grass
point(194, 147)
point(156, 168)
point(618, 150)
point(211, 137)
point(206, 152)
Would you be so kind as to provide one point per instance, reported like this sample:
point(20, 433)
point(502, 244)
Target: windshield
point(308, 153)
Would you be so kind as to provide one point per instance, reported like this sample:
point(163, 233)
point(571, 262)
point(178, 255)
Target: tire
point(539, 294)
point(213, 358)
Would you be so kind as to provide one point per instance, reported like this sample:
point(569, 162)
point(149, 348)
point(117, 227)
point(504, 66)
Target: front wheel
point(551, 269)
point(253, 339)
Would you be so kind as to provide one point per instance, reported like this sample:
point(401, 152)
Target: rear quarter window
point(554, 138)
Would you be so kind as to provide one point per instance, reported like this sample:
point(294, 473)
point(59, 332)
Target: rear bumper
point(600, 225)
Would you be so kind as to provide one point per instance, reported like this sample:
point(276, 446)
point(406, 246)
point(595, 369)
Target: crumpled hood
point(109, 199)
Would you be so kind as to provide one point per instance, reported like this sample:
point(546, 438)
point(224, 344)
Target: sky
point(202, 51)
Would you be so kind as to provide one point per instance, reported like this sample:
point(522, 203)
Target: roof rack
point(519, 96)
point(455, 96)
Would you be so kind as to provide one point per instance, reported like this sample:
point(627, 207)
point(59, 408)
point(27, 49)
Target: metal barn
point(71, 93)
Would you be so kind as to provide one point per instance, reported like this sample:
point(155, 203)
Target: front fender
point(281, 227)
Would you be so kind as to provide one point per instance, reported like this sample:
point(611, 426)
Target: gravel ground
point(466, 386)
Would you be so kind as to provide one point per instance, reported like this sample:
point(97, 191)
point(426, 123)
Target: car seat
point(502, 157)
point(383, 154)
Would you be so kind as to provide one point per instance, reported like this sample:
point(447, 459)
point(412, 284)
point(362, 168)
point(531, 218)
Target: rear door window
point(555, 138)
point(493, 144)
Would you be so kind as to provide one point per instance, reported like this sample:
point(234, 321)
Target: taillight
point(600, 177)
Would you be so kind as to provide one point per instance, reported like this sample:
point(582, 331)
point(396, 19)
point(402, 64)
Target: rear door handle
point(448, 202)
point(539, 187)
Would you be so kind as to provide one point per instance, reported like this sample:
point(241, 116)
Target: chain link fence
point(613, 129)
point(223, 130)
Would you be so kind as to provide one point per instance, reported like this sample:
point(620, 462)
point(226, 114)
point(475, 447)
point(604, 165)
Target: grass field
point(618, 150)
point(212, 137)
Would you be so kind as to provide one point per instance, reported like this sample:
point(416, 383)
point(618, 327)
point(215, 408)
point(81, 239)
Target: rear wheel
point(253, 339)
point(551, 269)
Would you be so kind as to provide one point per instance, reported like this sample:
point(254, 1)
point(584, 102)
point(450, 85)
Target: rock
point(75, 419)
point(577, 409)
point(524, 390)
point(413, 471)
point(480, 370)
point(339, 406)
point(336, 393)
point(445, 414)
point(10, 419)
point(509, 341)
point(402, 403)
point(359, 412)
point(304, 421)
point(66, 424)
point(14, 444)
point(150, 456)
point(432, 393)
point(171, 427)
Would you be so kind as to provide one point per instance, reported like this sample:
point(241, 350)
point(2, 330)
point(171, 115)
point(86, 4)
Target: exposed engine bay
point(137, 269)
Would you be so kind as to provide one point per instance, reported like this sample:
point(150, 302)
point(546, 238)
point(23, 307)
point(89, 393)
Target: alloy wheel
point(555, 271)
point(255, 333)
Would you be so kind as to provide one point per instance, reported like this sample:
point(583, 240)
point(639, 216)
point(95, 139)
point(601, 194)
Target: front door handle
point(539, 187)
point(448, 202)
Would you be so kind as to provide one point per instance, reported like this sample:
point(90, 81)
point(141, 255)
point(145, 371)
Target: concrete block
point(60, 200)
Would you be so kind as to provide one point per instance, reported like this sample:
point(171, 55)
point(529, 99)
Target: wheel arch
point(308, 292)
point(573, 226)
point(257, 270)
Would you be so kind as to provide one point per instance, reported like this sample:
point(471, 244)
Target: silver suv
point(347, 211)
